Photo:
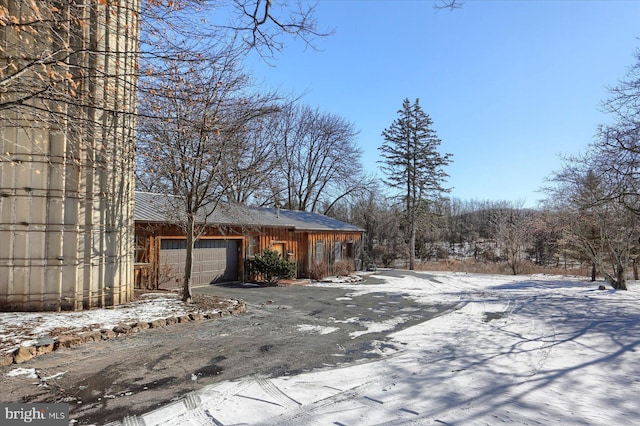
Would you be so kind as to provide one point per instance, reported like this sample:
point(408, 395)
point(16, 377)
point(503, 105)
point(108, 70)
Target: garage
point(214, 261)
point(230, 236)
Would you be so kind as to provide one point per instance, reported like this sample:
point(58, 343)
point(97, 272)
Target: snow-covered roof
point(162, 208)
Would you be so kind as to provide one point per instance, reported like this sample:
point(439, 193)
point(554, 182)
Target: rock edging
point(71, 340)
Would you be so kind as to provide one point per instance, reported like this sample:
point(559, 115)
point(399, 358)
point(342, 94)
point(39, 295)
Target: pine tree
point(412, 165)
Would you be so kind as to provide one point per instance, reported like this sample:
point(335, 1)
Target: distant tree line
point(209, 134)
point(488, 232)
point(590, 217)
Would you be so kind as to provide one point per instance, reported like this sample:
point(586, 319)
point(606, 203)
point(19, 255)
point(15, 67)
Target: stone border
point(48, 344)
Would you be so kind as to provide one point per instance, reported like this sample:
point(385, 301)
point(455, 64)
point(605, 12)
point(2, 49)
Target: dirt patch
point(206, 303)
point(490, 316)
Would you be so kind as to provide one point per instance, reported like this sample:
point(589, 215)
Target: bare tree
point(512, 232)
point(431, 231)
point(604, 230)
point(187, 139)
point(52, 74)
point(601, 187)
point(319, 160)
point(617, 146)
point(70, 72)
point(624, 100)
point(199, 114)
point(448, 4)
point(546, 232)
point(251, 171)
point(468, 225)
point(383, 238)
point(50, 70)
point(262, 23)
point(54, 78)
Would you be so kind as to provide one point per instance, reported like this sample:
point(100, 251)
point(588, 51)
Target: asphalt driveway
point(285, 331)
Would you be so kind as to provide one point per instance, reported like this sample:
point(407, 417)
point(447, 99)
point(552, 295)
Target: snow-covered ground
point(27, 328)
point(516, 350)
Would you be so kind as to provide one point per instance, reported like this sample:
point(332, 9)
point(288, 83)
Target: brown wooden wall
point(323, 253)
point(299, 246)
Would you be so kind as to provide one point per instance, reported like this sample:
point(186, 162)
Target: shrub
point(167, 278)
point(272, 267)
point(318, 270)
point(344, 268)
point(472, 266)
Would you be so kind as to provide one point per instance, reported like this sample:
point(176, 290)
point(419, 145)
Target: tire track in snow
point(350, 400)
point(276, 393)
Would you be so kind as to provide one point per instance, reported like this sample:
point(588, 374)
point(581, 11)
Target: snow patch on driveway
point(317, 329)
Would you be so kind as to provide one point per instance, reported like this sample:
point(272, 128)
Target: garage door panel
point(213, 260)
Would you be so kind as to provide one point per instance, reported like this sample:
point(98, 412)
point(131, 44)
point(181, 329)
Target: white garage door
point(213, 260)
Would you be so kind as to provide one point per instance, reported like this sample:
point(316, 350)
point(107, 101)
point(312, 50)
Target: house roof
point(163, 208)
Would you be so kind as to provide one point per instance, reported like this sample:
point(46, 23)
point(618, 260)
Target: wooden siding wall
point(299, 246)
point(294, 245)
point(149, 273)
point(328, 240)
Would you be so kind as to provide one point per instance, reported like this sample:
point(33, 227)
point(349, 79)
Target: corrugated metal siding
point(67, 175)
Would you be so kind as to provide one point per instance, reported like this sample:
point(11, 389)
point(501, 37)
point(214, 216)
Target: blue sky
point(510, 85)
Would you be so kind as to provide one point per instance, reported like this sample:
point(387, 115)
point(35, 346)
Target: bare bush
point(344, 268)
point(500, 268)
point(318, 270)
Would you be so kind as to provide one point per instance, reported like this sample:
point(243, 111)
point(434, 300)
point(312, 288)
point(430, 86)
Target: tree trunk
point(621, 282)
point(412, 247)
point(514, 267)
point(593, 272)
point(188, 264)
point(513, 261)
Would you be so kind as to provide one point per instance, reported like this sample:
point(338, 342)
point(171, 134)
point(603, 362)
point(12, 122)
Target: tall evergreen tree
point(413, 166)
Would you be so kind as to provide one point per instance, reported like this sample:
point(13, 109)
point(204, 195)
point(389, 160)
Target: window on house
point(253, 245)
point(140, 254)
point(210, 243)
point(319, 251)
point(173, 244)
point(337, 251)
